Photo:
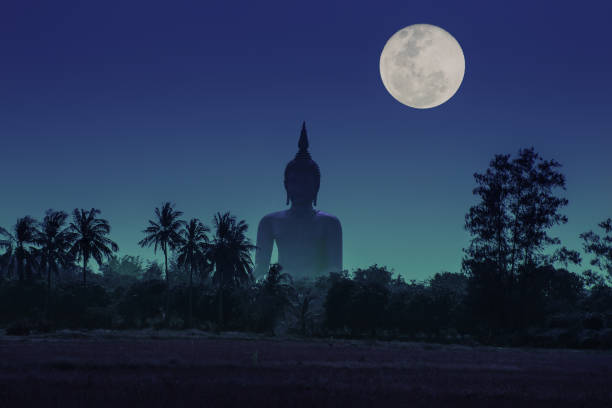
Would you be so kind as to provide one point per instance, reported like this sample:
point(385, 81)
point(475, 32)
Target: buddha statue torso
point(309, 245)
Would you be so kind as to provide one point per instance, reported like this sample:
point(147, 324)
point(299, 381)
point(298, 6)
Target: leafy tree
point(374, 275)
point(537, 206)
point(230, 254)
point(562, 289)
point(121, 272)
point(127, 266)
point(370, 298)
point(518, 205)
point(489, 221)
point(509, 228)
point(448, 292)
point(338, 299)
point(601, 248)
point(152, 272)
point(90, 238)
point(164, 232)
point(192, 253)
point(565, 257)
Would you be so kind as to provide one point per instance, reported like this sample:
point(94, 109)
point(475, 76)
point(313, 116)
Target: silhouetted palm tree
point(230, 254)
point(55, 241)
point(90, 239)
point(25, 230)
point(192, 252)
point(7, 258)
point(164, 231)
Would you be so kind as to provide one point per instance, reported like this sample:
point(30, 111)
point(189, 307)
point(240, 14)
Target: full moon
point(422, 66)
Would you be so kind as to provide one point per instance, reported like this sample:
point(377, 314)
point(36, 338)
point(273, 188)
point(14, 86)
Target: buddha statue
point(309, 241)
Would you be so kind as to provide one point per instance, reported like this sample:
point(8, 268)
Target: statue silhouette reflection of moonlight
point(422, 66)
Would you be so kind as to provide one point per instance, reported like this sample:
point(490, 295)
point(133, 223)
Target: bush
point(593, 321)
point(337, 301)
point(142, 301)
point(542, 306)
point(21, 301)
point(448, 291)
point(21, 327)
point(599, 299)
point(73, 306)
point(496, 302)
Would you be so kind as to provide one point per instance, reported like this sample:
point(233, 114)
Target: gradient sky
point(124, 106)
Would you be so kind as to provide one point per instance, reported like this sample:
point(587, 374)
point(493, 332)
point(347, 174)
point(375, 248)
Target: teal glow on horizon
point(101, 107)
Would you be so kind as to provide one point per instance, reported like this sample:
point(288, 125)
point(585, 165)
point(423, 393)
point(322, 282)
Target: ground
point(187, 368)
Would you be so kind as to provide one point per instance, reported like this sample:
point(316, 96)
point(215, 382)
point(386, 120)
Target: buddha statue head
point(302, 175)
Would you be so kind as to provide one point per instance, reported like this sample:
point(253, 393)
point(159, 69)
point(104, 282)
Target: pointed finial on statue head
point(303, 143)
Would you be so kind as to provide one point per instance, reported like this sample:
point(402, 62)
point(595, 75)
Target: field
point(192, 368)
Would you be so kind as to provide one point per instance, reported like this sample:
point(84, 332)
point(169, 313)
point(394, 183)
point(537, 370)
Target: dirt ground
point(174, 369)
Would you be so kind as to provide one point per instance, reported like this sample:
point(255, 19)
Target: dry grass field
point(192, 368)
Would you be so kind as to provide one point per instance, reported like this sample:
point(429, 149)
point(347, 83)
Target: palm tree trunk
point(20, 263)
point(221, 300)
point(48, 290)
point(166, 266)
point(167, 283)
point(190, 294)
point(28, 270)
point(85, 271)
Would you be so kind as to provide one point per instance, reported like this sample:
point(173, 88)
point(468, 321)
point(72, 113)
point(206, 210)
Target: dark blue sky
point(123, 106)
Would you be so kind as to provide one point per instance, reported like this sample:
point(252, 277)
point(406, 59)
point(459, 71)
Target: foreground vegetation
point(515, 287)
point(370, 303)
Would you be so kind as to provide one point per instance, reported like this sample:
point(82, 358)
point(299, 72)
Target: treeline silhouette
point(514, 287)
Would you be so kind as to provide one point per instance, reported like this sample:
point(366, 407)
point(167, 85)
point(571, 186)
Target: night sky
point(124, 106)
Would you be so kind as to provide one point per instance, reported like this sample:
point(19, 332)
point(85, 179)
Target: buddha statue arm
point(334, 246)
point(264, 244)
